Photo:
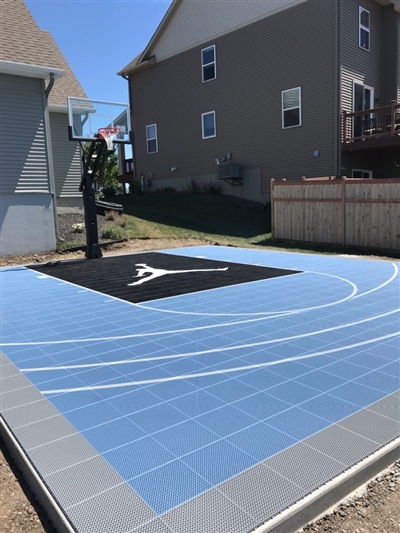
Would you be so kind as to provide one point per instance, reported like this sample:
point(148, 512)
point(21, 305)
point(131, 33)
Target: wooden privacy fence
point(348, 212)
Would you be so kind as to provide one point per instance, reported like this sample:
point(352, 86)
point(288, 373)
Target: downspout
point(50, 155)
point(338, 87)
point(50, 85)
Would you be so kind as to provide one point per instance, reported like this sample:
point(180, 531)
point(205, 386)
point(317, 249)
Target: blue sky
point(99, 37)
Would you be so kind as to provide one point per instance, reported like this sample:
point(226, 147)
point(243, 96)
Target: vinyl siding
point(66, 158)
point(23, 153)
point(358, 64)
point(254, 64)
point(196, 22)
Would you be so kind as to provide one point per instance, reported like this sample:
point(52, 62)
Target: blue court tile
point(320, 380)
point(112, 434)
point(157, 418)
point(297, 423)
point(218, 462)
point(168, 390)
point(70, 401)
point(381, 382)
point(182, 366)
point(290, 370)
point(91, 415)
point(261, 441)
point(175, 482)
point(231, 391)
point(129, 400)
point(261, 379)
point(138, 457)
point(367, 360)
point(185, 438)
point(346, 370)
point(329, 407)
point(261, 405)
point(358, 394)
point(393, 369)
point(225, 420)
point(293, 392)
point(196, 403)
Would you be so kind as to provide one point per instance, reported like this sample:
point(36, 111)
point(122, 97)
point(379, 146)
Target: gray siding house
point(40, 169)
point(241, 92)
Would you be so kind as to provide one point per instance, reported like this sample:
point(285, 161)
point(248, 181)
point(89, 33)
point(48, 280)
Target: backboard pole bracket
point(90, 166)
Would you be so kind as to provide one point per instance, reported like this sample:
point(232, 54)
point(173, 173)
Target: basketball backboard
point(86, 117)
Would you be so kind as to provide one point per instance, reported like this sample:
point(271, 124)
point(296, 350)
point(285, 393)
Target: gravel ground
point(375, 509)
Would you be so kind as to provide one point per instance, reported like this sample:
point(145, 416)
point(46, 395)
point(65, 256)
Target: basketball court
point(205, 389)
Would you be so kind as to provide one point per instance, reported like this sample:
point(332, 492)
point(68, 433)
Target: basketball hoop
point(108, 134)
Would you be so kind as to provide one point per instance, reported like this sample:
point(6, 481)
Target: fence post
point(343, 211)
point(272, 208)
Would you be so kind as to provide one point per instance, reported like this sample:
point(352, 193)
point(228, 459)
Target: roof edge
point(29, 71)
point(144, 56)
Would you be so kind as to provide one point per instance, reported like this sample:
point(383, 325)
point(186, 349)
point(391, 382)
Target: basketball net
point(109, 134)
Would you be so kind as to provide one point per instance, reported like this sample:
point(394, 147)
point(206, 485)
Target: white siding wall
point(197, 22)
point(66, 158)
point(23, 152)
point(27, 222)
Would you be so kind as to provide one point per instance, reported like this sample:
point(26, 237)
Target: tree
point(107, 171)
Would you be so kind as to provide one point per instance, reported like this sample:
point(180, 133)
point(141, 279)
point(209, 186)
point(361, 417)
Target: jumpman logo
point(153, 273)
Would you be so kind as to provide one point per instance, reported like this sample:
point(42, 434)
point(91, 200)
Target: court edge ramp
point(39, 489)
point(332, 493)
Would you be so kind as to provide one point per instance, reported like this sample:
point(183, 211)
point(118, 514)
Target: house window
point(358, 173)
point(151, 138)
point(291, 108)
point(208, 125)
point(208, 63)
point(363, 28)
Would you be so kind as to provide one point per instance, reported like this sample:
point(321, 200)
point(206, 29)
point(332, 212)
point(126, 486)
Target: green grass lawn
point(181, 214)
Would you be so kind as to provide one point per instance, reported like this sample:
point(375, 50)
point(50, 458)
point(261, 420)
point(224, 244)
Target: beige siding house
point(40, 169)
point(237, 93)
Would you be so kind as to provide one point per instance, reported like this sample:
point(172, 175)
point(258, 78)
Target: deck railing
point(371, 123)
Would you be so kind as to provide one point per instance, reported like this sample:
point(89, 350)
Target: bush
point(204, 188)
point(112, 233)
point(108, 192)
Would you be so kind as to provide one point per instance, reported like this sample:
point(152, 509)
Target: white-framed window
point(208, 63)
point(208, 127)
point(359, 173)
point(363, 28)
point(291, 108)
point(151, 138)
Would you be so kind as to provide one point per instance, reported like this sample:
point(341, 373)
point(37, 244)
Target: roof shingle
point(22, 41)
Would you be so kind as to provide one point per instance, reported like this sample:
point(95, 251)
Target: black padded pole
point(90, 164)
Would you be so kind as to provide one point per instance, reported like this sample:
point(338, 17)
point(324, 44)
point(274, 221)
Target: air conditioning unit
point(228, 170)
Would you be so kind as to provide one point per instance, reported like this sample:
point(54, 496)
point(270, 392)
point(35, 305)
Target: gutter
point(30, 71)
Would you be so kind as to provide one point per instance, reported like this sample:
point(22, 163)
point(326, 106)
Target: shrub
point(112, 233)
point(111, 215)
point(108, 192)
point(78, 228)
point(204, 188)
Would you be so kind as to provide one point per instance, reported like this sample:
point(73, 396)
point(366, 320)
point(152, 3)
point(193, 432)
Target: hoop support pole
point(89, 200)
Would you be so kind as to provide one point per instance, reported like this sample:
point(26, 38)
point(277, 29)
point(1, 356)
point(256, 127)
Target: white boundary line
point(216, 372)
point(212, 350)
